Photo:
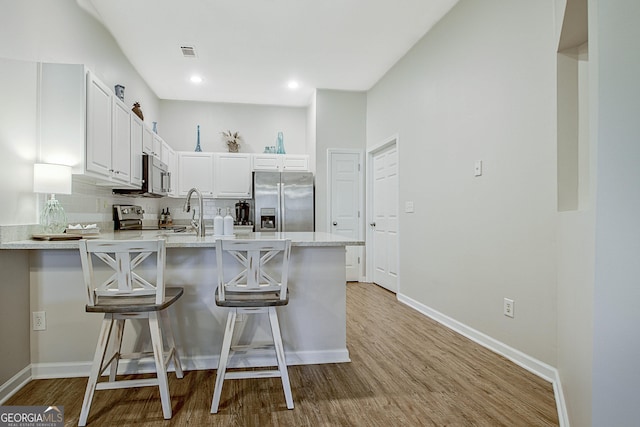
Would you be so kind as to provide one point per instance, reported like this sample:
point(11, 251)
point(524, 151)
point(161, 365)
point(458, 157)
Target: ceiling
point(248, 50)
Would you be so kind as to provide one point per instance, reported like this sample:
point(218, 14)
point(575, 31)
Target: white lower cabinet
point(232, 176)
point(195, 170)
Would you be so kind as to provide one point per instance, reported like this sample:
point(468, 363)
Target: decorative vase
point(232, 146)
point(137, 110)
point(155, 127)
point(280, 144)
point(198, 148)
point(119, 90)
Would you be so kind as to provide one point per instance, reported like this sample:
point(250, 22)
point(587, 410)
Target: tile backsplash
point(92, 203)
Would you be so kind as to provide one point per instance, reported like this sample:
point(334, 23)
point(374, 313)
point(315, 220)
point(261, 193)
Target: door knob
point(373, 224)
point(335, 223)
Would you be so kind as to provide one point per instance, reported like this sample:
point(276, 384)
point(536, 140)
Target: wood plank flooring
point(406, 370)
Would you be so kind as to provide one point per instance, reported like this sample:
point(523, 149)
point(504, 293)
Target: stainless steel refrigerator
point(283, 201)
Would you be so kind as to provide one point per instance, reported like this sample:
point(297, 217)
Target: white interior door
point(345, 204)
point(384, 223)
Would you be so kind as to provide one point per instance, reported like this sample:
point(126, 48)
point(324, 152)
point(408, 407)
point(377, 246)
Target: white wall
point(18, 137)
point(340, 123)
point(479, 86)
point(576, 239)
point(616, 347)
point(257, 124)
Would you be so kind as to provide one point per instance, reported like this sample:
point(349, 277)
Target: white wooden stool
point(124, 296)
point(252, 291)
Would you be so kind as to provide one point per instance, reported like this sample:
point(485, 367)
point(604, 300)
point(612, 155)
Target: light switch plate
point(478, 168)
point(408, 207)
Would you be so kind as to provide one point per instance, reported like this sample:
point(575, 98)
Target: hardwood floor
point(406, 370)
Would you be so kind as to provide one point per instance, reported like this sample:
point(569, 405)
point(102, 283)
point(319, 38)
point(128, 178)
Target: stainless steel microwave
point(156, 179)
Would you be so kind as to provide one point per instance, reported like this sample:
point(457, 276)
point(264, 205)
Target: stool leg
point(116, 348)
point(161, 369)
point(96, 368)
point(224, 358)
point(282, 363)
point(173, 351)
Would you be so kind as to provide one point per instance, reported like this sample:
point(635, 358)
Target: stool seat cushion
point(251, 299)
point(136, 303)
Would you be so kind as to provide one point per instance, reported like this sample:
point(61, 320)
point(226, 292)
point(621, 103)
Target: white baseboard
point(259, 358)
point(14, 384)
point(541, 369)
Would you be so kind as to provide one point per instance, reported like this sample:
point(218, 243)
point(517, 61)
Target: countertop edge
point(301, 239)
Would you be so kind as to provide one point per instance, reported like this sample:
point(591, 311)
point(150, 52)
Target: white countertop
point(189, 240)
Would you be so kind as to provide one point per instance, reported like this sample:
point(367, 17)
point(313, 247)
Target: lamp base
point(52, 218)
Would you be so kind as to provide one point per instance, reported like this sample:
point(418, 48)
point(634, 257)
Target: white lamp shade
point(53, 179)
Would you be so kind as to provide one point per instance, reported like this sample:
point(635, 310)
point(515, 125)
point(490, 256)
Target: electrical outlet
point(508, 307)
point(39, 321)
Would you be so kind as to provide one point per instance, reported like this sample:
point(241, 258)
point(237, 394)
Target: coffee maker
point(242, 213)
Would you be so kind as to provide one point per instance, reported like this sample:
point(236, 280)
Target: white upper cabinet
point(267, 162)
point(164, 152)
point(195, 170)
point(137, 129)
point(147, 141)
point(84, 125)
point(172, 162)
point(99, 129)
point(295, 162)
point(232, 175)
point(157, 146)
point(120, 142)
point(280, 162)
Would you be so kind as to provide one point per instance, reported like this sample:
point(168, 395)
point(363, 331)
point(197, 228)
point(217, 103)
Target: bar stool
point(124, 296)
point(252, 291)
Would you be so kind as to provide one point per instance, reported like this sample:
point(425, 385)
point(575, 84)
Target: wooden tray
point(60, 236)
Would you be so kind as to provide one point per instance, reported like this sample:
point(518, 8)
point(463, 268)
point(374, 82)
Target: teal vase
point(280, 144)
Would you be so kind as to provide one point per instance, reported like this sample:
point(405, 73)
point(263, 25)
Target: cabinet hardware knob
point(373, 224)
point(335, 223)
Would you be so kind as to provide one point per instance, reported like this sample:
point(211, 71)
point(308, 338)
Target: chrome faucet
point(199, 224)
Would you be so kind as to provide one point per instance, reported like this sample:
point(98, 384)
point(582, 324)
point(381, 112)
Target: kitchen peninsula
point(313, 324)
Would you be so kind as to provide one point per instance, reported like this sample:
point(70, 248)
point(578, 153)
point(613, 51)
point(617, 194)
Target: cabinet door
point(98, 127)
point(137, 127)
point(172, 162)
point(267, 162)
point(157, 146)
point(164, 153)
point(195, 170)
point(232, 177)
point(147, 140)
point(293, 162)
point(120, 142)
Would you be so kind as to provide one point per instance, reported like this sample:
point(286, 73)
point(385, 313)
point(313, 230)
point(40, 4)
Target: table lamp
point(52, 179)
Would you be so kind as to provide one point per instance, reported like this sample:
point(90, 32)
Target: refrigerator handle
point(281, 206)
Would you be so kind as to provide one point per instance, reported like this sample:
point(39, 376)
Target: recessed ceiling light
point(293, 84)
point(196, 79)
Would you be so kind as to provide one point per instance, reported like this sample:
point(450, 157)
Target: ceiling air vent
point(188, 51)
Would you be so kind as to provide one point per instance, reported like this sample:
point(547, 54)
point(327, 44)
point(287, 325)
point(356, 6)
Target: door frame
point(371, 152)
point(361, 201)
